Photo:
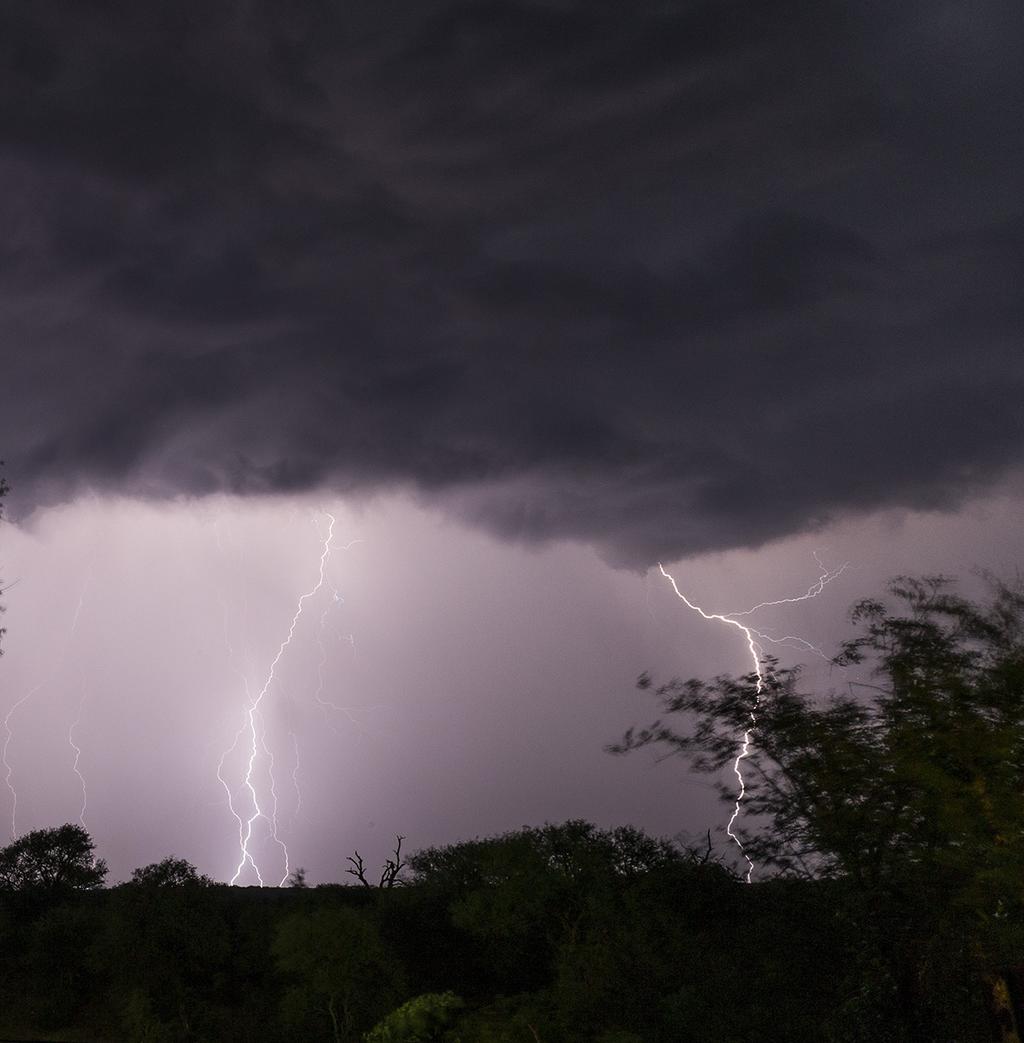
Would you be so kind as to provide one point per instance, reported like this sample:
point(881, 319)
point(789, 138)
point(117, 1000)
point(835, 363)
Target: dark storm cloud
point(664, 278)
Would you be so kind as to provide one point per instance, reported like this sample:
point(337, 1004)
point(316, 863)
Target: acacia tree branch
point(359, 869)
point(393, 866)
point(389, 874)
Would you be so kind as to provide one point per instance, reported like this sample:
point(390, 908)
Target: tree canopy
point(917, 774)
point(51, 860)
point(907, 788)
point(169, 872)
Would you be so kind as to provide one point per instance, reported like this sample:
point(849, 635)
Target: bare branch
point(359, 869)
point(393, 866)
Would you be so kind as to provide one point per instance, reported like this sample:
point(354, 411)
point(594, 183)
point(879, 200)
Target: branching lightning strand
point(78, 756)
point(249, 724)
point(753, 637)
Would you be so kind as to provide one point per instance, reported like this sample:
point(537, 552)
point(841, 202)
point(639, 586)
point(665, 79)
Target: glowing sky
point(478, 680)
point(531, 295)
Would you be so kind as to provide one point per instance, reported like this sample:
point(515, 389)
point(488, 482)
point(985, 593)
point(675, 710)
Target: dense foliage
point(51, 861)
point(562, 933)
point(907, 792)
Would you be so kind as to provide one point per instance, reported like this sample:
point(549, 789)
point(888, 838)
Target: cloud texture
point(664, 279)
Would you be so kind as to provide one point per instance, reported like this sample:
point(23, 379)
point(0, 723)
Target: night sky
point(528, 297)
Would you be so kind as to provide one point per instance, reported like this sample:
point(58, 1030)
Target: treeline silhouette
point(886, 822)
point(566, 932)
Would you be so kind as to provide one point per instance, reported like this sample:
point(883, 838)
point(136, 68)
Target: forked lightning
point(753, 638)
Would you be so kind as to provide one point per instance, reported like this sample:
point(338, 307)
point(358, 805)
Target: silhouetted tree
point(51, 860)
point(389, 874)
point(297, 878)
point(165, 944)
point(564, 932)
point(909, 791)
point(553, 909)
point(170, 872)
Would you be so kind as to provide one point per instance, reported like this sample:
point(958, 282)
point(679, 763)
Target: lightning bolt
point(78, 756)
point(253, 729)
point(753, 638)
point(246, 856)
point(76, 749)
point(26, 698)
point(269, 754)
point(8, 771)
point(240, 822)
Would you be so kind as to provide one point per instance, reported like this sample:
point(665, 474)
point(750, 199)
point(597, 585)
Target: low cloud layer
point(667, 280)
